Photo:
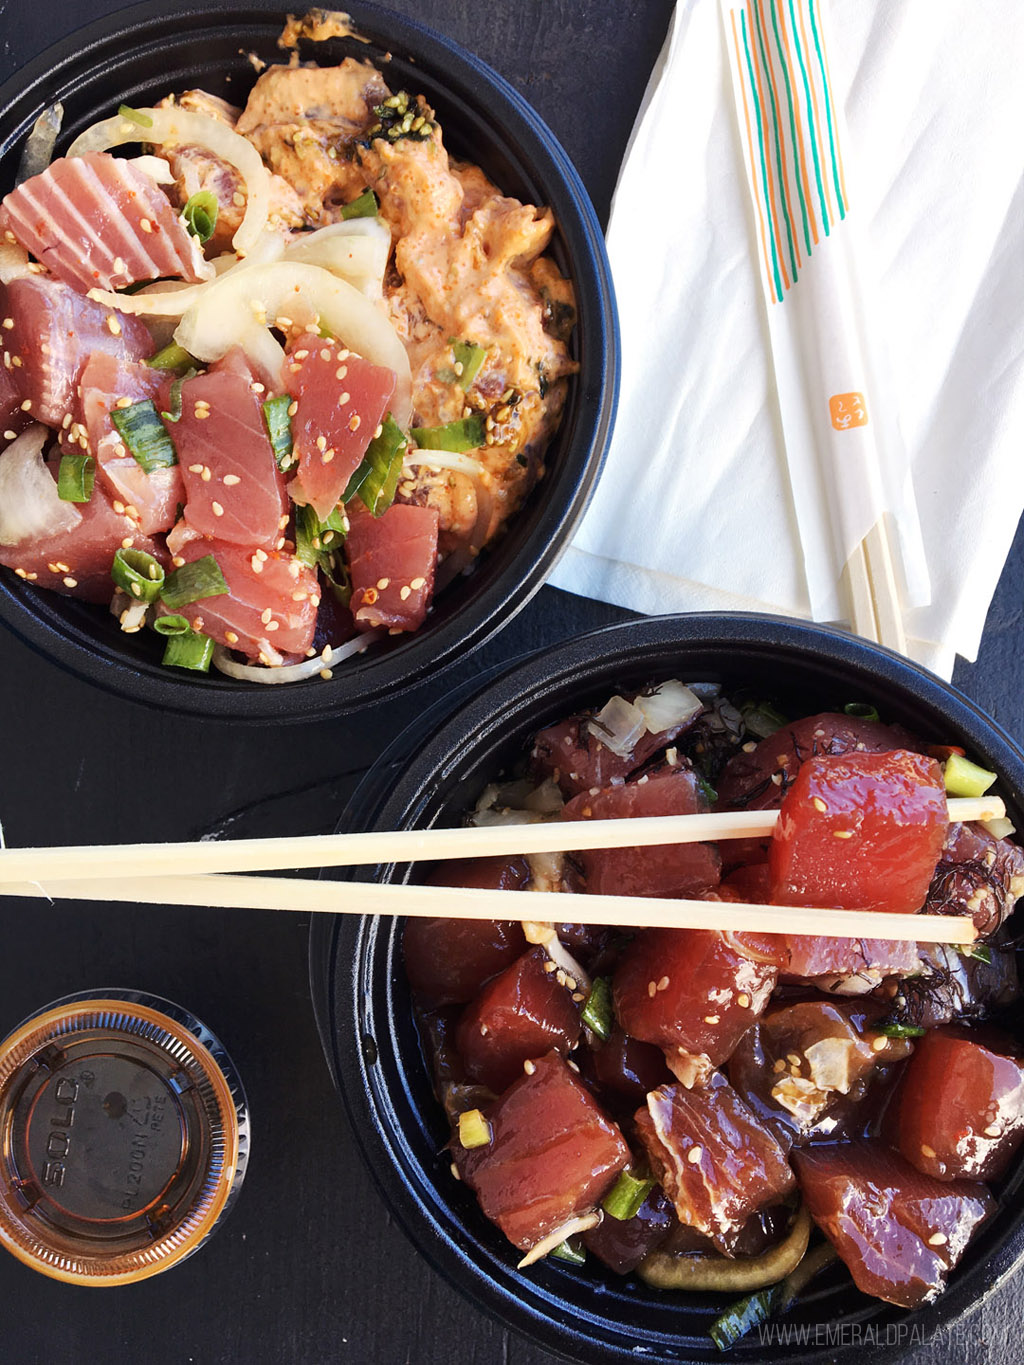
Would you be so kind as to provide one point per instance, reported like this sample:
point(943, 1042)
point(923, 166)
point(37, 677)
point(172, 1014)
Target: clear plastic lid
point(124, 1135)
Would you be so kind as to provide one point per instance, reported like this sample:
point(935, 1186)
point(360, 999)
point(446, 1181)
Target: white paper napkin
point(694, 510)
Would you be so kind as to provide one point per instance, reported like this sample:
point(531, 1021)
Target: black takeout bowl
point(431, 776)
point(142, 53)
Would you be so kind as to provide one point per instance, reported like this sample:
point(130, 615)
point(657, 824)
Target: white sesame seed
point(73, 583)
point(266, 615)
point(231, 480)
point(218, 511)
point(113, 326)
point(694, 1155)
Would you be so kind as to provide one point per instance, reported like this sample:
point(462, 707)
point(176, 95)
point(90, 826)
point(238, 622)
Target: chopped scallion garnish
point(365, 205)
point(200, 214)
point(901, 1030)
point(597, 1013)
point(744, 1315)
point(468, 359)
point(75, 478)
point(173, 413)
point(861, 710)
point(474, 1130)
point(279, 429)
point(624, 1199)
point(135, 116)
point(468, 433)
point(571, 1250)
point(145, 435)
point(964, 778)
point(192, 582)
point(762, 719)
point(376, 478)
point(172, 625)
point(188, 649)
point(138, 574)
point(981, 952)
point(172, 357)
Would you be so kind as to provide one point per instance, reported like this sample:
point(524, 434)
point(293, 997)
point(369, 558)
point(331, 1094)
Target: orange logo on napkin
point(848, 410)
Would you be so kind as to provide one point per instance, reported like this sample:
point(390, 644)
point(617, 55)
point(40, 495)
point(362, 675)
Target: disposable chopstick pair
point(870, 577)
point(204, 874)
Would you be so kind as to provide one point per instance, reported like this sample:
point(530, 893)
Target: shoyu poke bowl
point(673, 1142)
point(308, 366)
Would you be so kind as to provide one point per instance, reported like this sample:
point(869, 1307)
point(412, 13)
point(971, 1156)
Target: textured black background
point(310, 1266)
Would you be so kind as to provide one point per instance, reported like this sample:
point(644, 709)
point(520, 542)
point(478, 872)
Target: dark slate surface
point(310, 1266)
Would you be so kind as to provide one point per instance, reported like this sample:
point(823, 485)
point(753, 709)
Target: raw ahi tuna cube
point(713, 1158)
point(666, 869)
point(553, 1155)
point(234, 490)
point(341, 400)
point(270, 607)
point(98, 222)
point(53, 333)
point(108, 383)
point(573, 754)
point(524, 1013)
point(860, 831)
point(391, 560)
point(898, 1231)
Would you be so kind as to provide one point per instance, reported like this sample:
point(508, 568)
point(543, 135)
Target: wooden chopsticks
point(207, 874)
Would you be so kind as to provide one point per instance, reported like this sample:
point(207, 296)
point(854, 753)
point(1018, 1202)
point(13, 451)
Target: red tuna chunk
point(860, 832)
point(959, 1111)
point(553, 1154)
point(341, 400)
point(690, 992)
point(623, 1244)
point(809, 957)
point(97, 222)
point(55, 332)
point(391, 560)
point(77, 561)
point(523, 1013)
point(716, 1162)
point(234, 490)
point(152, 499)
point(573, 755)
point(898, 1231)
point(281, 589)
point(449, 960)
point(666, 869)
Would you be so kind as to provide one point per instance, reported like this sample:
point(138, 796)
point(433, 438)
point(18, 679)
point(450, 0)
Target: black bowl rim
point(338, 947)
point(363, 681)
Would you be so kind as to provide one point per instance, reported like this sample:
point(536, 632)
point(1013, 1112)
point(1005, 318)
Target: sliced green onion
point(762, 719)
point(981, 952)
point(468, 359)
point(307, 536)
point(597, 1013)
point(376, 479)
point(861, 710)
point(172, 625)
point(192, 582)
point(474, 1130)
point(188, 649)
point(174, 397)
point(964, 778)
point(200, 214)
point(172, 357)
point(709, 792)
point(625, 1197)
point(75, 478)
point(145, 435)
point(901, 1030)
point(468, 433)
point(744, 1315)
point(571, 1251)
point(279, 429)
point(134, 116)
point(138, 574)
point(365, 205)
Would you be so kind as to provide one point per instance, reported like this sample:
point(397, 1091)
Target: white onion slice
point(230, 304)
point(13, 262)
point(169, 300)
point(155, 167)
point(29, 506)
point(999, 828)
point(618, 726)
point(286, 673)
point(182, 126)
point(670, 705)
point(356, 251)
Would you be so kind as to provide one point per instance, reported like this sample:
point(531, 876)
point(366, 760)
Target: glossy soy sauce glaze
point(432, 776)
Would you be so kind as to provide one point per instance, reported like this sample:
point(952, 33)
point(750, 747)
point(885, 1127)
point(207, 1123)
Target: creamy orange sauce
point(468, 265)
